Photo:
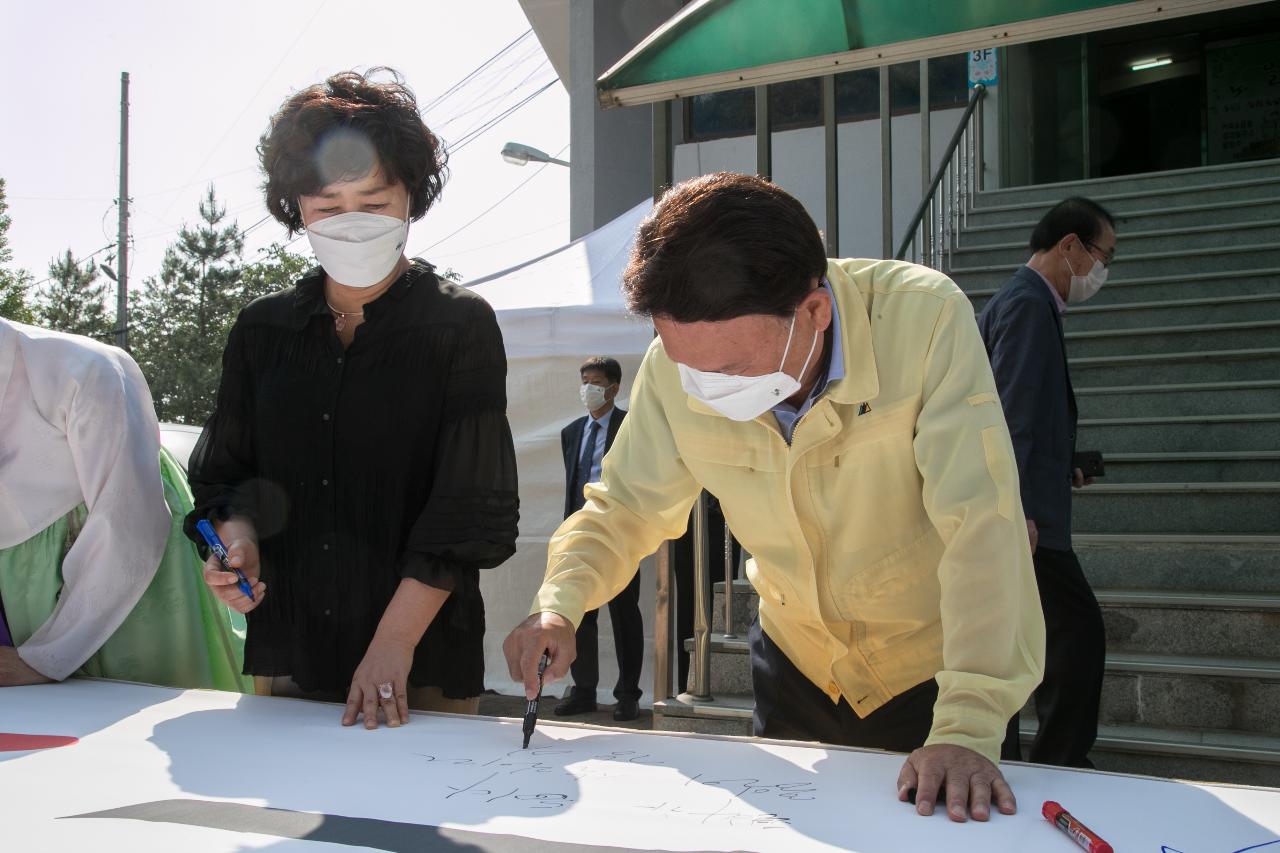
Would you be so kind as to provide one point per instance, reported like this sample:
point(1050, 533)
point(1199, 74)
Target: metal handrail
point(728, 583)
point(700, 661)
point(961, 166)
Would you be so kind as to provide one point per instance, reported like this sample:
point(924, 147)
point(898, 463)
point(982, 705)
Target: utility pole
point(122, 244)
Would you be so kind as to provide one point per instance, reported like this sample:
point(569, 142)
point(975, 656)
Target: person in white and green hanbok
point(96, 576)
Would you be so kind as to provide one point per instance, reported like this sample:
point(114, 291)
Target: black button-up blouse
point(388, 460)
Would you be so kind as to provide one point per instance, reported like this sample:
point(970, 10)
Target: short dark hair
point(723, 246)
point(340, 130)
point(608, 366)
point(1075, 215)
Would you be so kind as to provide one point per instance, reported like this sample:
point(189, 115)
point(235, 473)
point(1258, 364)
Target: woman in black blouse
point(359, 465)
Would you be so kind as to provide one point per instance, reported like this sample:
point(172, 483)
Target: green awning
point(714, 45)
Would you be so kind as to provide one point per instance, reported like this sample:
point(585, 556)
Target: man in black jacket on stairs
point(1072, 247)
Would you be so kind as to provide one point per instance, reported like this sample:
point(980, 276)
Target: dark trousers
point(791, 707)
point(1067, 699)
point(628, 641)
point(682, 570)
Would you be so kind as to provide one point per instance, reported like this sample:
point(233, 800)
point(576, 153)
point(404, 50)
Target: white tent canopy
point(569, 301)
point(555, 311)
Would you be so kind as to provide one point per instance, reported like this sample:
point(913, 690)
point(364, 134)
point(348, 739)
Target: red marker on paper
point(1077, 831)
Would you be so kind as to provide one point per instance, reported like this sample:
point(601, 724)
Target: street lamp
point(521, 155)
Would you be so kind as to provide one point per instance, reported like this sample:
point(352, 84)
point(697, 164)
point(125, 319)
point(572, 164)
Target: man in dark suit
point(1072, 247)
point(584, 444)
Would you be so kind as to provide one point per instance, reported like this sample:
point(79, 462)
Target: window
point(798, 103)
point(795, 103)
point(721, 114)
point(858, 92)
point(948, 82)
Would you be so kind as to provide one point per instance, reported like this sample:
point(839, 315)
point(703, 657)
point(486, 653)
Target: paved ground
point(497, 705)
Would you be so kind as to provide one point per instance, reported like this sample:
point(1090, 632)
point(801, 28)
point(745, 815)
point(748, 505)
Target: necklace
point(340, 317)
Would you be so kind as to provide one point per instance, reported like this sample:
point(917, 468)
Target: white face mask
point(1085, 286)
point(359, 249)
point(593, 397)
point(745, 398)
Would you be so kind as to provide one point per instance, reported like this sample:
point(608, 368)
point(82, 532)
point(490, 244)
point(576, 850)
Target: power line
point(491, 207)
point(505, 240)
point(482, 104)
point(472, 133)
point(487, 126)
point(255, 95)
point(70, 198)
point(498, 75)
point(78, 262)
point(193, 183)
point(456, 86)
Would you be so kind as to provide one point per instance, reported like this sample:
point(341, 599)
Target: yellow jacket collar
point(861, 382)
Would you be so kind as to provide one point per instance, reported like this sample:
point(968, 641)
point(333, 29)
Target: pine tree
point(278, 270)
point(13, 283)
point(74, 300)
point(184, 315)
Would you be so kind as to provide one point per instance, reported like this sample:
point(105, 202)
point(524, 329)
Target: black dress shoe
point(576, 703)
point(626, 710)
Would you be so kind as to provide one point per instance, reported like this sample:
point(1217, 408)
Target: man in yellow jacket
point(845, 415)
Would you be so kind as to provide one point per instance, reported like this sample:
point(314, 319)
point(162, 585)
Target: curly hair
point(342, 129)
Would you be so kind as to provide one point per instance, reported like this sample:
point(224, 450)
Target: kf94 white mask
point(593, 397)
point(359, 249)
point(745, 398)
point(1085, 286)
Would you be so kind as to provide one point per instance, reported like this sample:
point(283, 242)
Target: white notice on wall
point(982, 67)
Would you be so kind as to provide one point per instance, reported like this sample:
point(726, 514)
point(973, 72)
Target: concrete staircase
point(1176, 366)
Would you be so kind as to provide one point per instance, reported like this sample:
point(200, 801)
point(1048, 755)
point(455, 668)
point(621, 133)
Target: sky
point(204, 80)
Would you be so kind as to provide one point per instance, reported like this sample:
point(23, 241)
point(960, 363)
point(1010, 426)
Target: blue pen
point(215, 545)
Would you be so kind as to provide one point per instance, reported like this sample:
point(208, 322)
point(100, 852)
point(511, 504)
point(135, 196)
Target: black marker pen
point(531, 711)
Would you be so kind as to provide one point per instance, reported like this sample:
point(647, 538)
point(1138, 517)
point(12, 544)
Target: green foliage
point(74, 300)
point(180, 325)
point(14, 284)
point(182, 317)
point(279, 270)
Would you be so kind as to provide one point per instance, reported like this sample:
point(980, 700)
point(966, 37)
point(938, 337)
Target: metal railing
point(700, 660)
point(699, 687)
point(932, 235)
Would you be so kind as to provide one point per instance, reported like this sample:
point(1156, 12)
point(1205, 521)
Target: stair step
point(1169, 690)
point(1206, 755)
point(1176, 508)
point(1246, 365)
point(1180, 433)
point(1149, 288)
point(1112, 191)
point(1162, 263)
point(1190, 600)
point(1237, 625)
point(1015, 224)
point(1172, 691)
point(1139, 243)
point(1207, 667)
point(1184, 563)
point(1174, 400)
point(1174, 312)
point(1214, 466)
point(725, 715)
point(1252, 334)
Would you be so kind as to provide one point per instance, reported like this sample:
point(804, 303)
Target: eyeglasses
point(1107, 257)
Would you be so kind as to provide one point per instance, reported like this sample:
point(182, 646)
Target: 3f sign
point(982, 67)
